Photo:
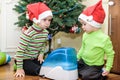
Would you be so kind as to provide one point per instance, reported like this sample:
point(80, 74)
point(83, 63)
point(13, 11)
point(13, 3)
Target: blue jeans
point(31, 66)
point(87, 72)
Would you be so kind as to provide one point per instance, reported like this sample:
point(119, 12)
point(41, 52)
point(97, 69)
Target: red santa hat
point(38, 11)
point(93, 15)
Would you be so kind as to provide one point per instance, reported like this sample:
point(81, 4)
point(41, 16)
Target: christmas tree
point(65, 14)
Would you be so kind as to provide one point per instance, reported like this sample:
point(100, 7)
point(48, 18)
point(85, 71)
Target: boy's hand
point(19, 73)
point(40, 58)
point(105, 72)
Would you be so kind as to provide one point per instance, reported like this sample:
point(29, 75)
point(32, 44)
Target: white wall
point(0, 22)
point(8, 31)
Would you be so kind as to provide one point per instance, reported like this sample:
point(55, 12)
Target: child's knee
point(90, 76)
point(85, 76)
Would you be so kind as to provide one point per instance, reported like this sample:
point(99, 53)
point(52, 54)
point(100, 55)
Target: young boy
point(32, 41)
point(95, 45)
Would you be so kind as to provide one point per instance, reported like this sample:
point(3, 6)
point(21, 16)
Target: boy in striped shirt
point(32, 42)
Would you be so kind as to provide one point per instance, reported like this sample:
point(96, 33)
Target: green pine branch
point(65, 13)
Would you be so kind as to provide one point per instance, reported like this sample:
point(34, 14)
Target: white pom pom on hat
point(93, 15)
point(38, 11)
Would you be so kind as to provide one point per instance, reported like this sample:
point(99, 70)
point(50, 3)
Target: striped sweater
point(32, 43)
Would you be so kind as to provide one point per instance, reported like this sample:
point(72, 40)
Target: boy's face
point(87, 27)
point(45, 23)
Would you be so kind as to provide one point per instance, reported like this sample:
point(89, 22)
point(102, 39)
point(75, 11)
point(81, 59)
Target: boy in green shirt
point(95, 45)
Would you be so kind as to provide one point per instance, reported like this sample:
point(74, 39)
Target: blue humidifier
point(60, 64)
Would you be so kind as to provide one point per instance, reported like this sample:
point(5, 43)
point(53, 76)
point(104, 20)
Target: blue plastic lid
point(64, 57)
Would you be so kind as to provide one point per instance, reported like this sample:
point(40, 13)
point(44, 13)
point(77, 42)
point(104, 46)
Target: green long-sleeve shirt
point(94, 47)
point(32, 43)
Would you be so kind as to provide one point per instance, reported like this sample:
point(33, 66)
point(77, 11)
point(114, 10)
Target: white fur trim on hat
point(42, 16)
point(89, 20)
point(35, 20)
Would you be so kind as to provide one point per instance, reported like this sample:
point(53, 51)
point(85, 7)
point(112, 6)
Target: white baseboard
point(11, 54)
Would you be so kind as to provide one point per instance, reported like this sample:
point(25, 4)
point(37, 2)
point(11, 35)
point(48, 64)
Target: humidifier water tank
point(60, 64)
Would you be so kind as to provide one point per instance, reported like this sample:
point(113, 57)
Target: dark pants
point(31, 67)
point(87, 72)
